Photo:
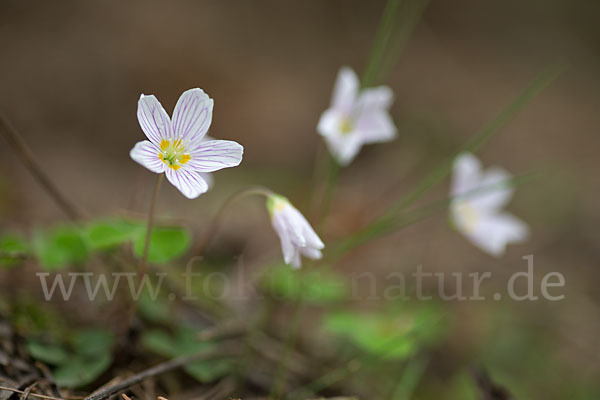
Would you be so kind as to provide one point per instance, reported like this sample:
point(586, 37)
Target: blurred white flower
point(356, 117)
point(296, 235)
point(178, 147)
point(476, 208)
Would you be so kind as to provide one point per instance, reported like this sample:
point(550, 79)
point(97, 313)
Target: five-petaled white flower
point(296, 235)
point(178, 147)
point(356, 117)
point(476, 208)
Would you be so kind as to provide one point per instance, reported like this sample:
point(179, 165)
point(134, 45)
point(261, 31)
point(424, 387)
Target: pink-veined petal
point(146, 154)
point(189, 183)
point(466, 174)
point(345, 90)
point(192, 115)
point(153, 119)
point(214, 155)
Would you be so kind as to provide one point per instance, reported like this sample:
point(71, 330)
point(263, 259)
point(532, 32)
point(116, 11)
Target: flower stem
point(382, 37)
point(332, 178)
point(216, 221)
point(144, 262)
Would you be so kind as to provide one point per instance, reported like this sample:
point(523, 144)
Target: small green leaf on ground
point(109, 233)
point(166, 244)
point(49, 353)
point(80, 371)
point(317, 286)
point(60, 247)
point(185, 342)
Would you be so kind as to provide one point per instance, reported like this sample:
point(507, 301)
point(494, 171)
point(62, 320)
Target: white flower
point(476, 208)
point(356, 117)
point(296, 235)
point(178, 147)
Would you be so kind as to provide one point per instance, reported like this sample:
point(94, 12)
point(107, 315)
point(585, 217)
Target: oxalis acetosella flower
point(296, 235)
point(476, 209)
point(179, 146)
point(356, 117)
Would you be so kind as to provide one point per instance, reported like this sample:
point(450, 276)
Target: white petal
point(344, 148)
point(293, 228)
point(466, 174)
point(189, 183)
point(311, 239)
point(287, 247)
point(146, 153)
point(153, 119)
point(378, 98)
point(375, 126)
point(310, 252)
point(330, 123)
point(495, 190)
point(493, 233)
point(345, 91)
point(296, 261)
point(192, 115)
point(208, 178)
point(216, 154)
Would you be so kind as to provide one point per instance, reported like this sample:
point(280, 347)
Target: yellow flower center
point(466, 215)
point(172, 153)
point(346, 125)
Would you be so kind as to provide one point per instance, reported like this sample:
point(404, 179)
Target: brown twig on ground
point(28, 158)
point(159, 369)
point(29, 394)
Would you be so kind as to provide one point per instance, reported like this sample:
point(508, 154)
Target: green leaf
point(153, 310)
point(185, 342)
point(166, 244)
point(10, 246)
point(110, 233)
point(318, 286)
point(161, 343)
point(93, 342)
point(49, 353)
point(60, 247)
point(208, 371)
point(80, 371)
point(388, 335)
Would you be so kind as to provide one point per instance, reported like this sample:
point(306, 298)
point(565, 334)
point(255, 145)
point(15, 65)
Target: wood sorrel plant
point(179, 148)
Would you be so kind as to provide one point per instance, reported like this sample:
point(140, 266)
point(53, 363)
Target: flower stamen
point(173, 153)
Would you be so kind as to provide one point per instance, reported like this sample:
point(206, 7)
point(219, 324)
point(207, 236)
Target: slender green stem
point(332, 179)
point(410, 15)
point(388, 224)
point(480, 137)
point(214, 224)
point(382, 37)
point(144, 263)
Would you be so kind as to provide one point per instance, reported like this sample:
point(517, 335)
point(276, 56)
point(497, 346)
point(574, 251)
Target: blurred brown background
point(71, 73)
